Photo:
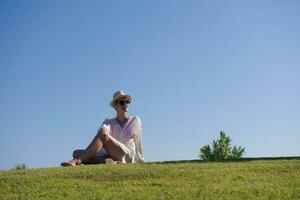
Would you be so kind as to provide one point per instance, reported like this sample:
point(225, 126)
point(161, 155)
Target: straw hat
point(118, 95)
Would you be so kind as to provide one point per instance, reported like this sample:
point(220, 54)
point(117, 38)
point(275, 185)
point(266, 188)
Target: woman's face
point(122, 104)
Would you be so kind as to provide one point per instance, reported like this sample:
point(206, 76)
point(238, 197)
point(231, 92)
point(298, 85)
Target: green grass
point(255, 179)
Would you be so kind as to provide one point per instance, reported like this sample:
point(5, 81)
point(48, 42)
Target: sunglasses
point(123, 102)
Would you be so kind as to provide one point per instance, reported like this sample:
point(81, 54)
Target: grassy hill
point(251, 179)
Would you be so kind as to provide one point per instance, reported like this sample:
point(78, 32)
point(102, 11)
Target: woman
point(117, 140)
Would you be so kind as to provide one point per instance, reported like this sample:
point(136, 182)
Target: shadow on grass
point(239, 160)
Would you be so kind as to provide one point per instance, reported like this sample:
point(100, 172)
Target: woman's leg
point(113, 149)
point(81, 156)
point(91, 151)
point(106, 141)
point(94, 160)
point(77, 153)
point(109, 143)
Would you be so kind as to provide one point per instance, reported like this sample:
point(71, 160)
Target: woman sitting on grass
point(118, 139)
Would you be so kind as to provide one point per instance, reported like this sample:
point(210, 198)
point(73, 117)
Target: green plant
point(20, 166)
point(237, 152)
point(221, 150)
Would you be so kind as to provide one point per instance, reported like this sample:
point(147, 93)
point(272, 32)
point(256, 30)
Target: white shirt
point(129, 137)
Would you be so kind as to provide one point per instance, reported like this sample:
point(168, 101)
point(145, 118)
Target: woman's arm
point(138, 141)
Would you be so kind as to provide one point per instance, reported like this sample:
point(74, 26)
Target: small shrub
point(20, 166)
point(221, 150)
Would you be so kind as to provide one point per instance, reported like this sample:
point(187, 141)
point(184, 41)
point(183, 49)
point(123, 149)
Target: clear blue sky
point(194, 68)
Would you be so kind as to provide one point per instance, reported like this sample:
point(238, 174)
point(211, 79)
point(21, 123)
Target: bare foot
point(73, 162)
point(111, 161)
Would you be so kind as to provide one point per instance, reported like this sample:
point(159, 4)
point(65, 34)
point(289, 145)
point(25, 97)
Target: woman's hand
point(104, 136)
